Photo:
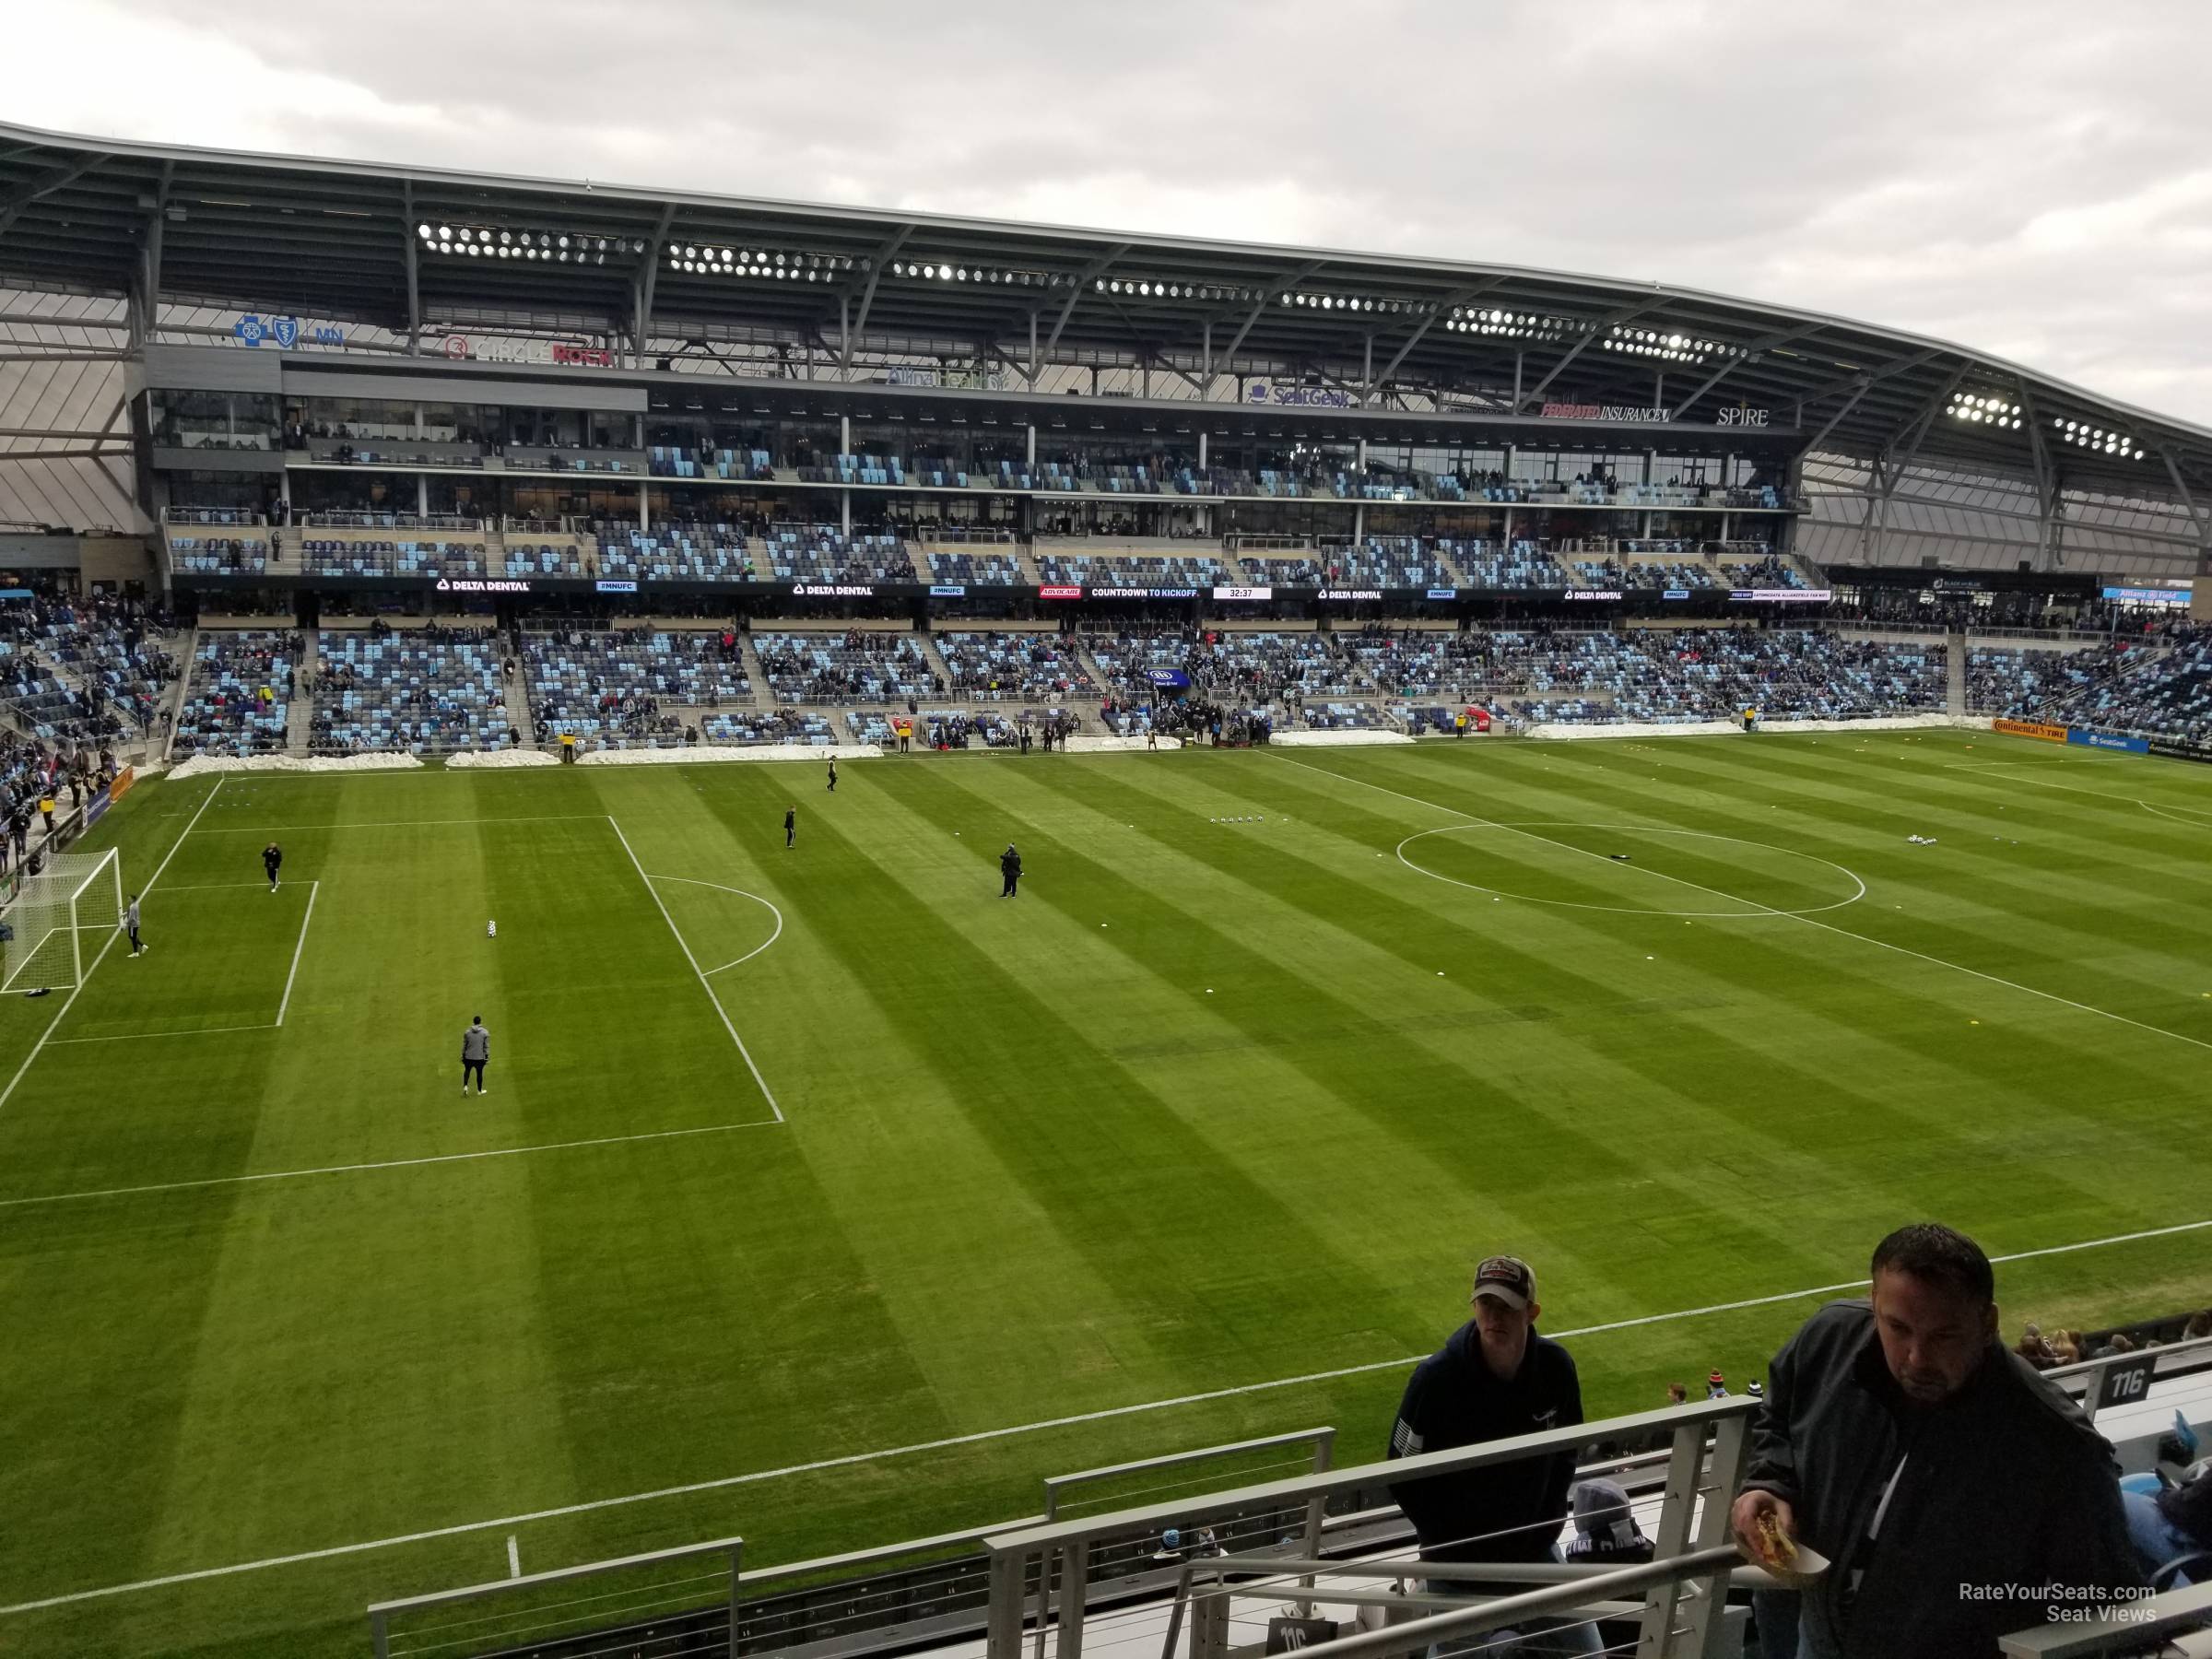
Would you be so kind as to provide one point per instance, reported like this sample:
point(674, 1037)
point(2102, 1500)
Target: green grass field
point(1236, 1092)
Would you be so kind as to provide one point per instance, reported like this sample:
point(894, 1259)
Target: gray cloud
point(2031, 179)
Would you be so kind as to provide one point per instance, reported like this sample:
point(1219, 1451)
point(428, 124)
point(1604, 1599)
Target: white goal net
point(60, 920)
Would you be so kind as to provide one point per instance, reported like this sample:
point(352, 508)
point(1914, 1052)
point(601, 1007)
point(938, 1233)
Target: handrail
point(1053, 1483)
point(2124, 1625)
point(381, 1613)
point(1067, 1543)
point(1417, 1634)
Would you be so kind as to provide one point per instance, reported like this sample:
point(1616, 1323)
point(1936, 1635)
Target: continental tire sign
point(2036, 729)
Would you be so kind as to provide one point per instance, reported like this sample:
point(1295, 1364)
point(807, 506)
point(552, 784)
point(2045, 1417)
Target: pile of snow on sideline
point(201, 766)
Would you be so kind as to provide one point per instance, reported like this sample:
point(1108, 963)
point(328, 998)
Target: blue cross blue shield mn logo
point(286, 331)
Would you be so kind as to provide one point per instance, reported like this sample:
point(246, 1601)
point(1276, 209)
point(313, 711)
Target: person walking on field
point(833, 774)
point(130, 926)
point(1009, 866)
point(476, 1049)
point(791, 825)
point(272, 858)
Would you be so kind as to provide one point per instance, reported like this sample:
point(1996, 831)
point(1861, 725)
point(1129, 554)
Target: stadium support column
point(1034, 366)
point(1031, 452)
point(644, 510)
point(1201, 448)
point(844, 434)
point(423, 495)
point(407, 241)
point(844, 511)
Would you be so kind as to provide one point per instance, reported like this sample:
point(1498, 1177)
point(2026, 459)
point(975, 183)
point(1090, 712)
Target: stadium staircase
point(187, 657)
point(935, 658)
point(299, 714)
point(755, 676)
point(1954, 702)
point(515, 693)
point(1028, 561)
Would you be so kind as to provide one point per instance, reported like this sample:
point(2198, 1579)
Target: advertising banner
point(1442, 593)
point(948, 590)
point(1591, 594)
point(121, 785)
point(2085, 738)
point(1613, 412)
point(480, 584)
point(1358, 595)
point(1781, 596)
point(1298, 397)
point(1059, 593)
point(2030, 728)
point(609, 584)
point(832, 590)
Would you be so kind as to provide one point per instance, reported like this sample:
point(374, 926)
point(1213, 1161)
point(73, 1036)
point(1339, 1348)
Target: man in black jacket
point(1009, 868)
point(1957, 1495)
point(1495, 1378)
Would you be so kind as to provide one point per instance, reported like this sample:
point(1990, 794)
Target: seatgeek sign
point(1276, 395)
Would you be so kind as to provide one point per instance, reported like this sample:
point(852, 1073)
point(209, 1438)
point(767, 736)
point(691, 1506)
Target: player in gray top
point(130, 926)
point(476, 1049)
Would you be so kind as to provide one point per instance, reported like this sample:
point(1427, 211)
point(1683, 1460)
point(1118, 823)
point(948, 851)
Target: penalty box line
point(313, 888)
point(704, 983)
point(77, 990)
point(1842, 933)
point(354, 1169)
point(1076, 1419)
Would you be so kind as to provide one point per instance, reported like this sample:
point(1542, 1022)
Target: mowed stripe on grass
point(1031, 1168)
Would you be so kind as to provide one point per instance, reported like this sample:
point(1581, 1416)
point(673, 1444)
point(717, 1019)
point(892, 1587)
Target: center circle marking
point(1634, 910)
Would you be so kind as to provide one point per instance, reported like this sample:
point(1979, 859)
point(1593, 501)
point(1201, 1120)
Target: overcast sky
point(2032, 181)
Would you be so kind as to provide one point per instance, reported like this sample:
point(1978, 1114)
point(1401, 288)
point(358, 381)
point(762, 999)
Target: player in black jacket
point(1494, 1379)
point(272, 860)
point(1009, 867)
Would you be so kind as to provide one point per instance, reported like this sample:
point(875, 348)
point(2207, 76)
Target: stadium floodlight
point(62, 919)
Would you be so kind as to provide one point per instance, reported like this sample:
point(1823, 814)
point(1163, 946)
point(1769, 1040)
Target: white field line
point(557, 818)
point(756, 950)
point(352, 1169)
point(514, 1559)
point(766, 1093)
point(1842, 933)
point(2193, 815)
point(182, 1031)
point(1074, 1420)
point(213, 886)
point(312, 889)
point(70, 1000)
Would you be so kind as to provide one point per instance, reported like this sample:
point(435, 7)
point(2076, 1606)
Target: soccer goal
point(58, 924)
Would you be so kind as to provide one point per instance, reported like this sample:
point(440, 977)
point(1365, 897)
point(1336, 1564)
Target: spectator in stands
point(1677, 1395)
point(1495, 1378)
point(2199, 1327)
point(2171, 1528)
point(1605, 1527)
point(1930, 1466)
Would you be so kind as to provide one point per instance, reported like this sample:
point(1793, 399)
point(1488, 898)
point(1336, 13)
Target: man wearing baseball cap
point(1494, 1377)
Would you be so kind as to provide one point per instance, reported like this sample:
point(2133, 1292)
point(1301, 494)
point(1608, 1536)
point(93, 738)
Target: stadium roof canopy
point(385, 245)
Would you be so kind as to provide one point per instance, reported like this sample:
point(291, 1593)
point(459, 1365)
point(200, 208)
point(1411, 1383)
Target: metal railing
point(382, 1614)
point(2125, 1627)
point(2144, 1364)
point(1708, 1451)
